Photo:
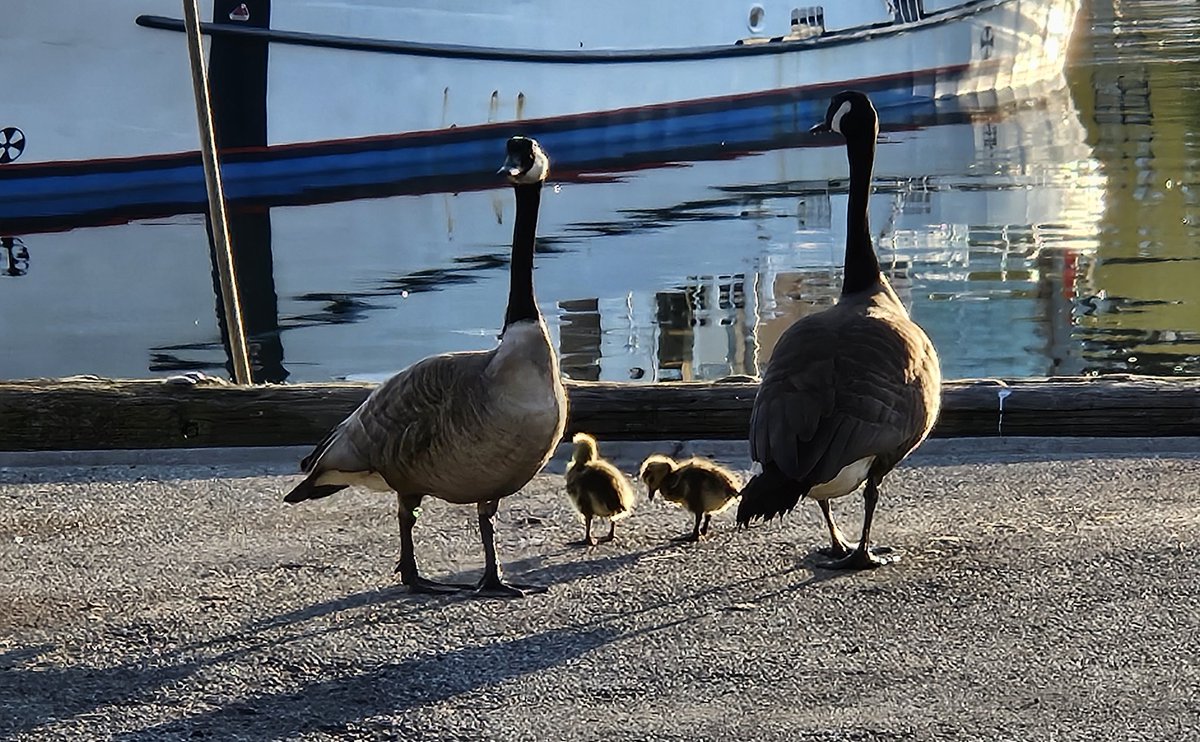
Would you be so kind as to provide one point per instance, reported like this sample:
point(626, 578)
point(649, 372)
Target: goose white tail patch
point(847, 480)
point(836, 123)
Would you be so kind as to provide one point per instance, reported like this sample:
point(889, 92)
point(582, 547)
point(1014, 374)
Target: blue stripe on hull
point(63, 195)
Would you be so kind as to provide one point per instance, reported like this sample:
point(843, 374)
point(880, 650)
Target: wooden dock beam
point(90, 413)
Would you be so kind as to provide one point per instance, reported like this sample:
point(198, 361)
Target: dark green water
point(1135, 77)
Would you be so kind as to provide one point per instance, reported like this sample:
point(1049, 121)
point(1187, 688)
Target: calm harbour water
point(1048, 236)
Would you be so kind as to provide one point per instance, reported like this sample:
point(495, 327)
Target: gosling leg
point(696, 531)
point(588, 539)
point(612, 532)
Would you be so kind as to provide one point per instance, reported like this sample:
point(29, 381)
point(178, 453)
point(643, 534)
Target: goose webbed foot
point(494, 587)
point(588, 539)
point(837, 550)
point(491, 584)
point(699, 531)
point(842, 549)
point(421, 585)
point(864, 559)
point(612, 534)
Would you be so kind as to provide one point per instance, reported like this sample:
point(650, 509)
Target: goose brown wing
point(840, 387)
point(408, 417)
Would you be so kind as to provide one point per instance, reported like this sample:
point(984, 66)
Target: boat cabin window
point(906, 11)
point(755, 21)
point(807, 22)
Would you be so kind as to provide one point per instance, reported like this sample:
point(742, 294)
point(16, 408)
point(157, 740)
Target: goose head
point(585, 449)
point(654, 472)
point(850, 114)
point(526, 164)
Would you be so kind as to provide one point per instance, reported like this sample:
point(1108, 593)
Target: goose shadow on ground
point(332, 705)
point(535, 570)
point(33, 697)
point(342, 704)
point(41, 695)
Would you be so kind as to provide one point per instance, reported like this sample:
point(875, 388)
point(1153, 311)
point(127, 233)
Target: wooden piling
point(238, 348)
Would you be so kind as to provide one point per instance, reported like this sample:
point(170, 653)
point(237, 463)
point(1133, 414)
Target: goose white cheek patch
point(538, 171)
point(842, 110)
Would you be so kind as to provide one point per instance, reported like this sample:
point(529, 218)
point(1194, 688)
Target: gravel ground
point(1045, 593)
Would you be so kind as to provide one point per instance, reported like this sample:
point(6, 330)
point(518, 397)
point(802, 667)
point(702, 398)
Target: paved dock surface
point(1047, 590)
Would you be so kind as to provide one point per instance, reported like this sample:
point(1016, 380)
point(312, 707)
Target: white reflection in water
point(1050, 236)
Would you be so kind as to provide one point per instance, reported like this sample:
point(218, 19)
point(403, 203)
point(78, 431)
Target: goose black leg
point(861, 557)
point(492, 583)
point(612, 532)
point(838, 547)
point(696, 531)
point(588, 539)
point(407, 566)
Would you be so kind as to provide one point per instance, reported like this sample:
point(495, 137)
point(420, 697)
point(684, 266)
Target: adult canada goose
point(699, 486)
point(850, 391)
point(468, 428)
point(597, 488)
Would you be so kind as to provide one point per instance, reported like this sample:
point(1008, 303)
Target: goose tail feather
point(309, 489)
point(768, 494)
point(309, 462)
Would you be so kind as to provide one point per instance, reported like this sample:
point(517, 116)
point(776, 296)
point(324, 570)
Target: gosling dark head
point(850, 114)
point(526, 164)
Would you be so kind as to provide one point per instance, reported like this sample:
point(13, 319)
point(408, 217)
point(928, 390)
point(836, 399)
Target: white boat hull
point(329, 96)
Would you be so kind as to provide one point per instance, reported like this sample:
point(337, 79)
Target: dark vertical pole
point(238, 76)
point(216, 198)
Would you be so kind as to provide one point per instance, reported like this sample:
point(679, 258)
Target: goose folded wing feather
point(824, 409)
point(412, 413)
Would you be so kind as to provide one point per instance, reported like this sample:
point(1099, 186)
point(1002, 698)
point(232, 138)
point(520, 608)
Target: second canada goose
point(699, 486)
point(850, 391)
point(597, 488)
point(468, 428)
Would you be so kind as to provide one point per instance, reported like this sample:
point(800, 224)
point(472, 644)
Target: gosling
point(597, 489)
point(698, 486)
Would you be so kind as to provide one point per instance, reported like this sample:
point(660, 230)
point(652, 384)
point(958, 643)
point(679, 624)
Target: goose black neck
point(521, 303)
point(862, 265)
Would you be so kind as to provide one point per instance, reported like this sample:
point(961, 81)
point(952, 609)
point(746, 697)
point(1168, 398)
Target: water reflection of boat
point(317, 95)
point(16, 256)
point(681, 271)
point(973, 234)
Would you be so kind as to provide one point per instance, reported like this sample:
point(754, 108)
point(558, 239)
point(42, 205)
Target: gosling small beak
point(820, 128)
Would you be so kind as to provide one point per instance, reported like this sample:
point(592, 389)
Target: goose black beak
point(511, 167)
